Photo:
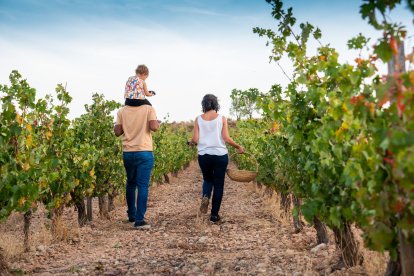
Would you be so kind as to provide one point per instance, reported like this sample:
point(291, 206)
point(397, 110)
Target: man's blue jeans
point(213, 168)
point(138, 166)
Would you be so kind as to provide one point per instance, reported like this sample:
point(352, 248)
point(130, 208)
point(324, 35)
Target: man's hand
point(118, 130)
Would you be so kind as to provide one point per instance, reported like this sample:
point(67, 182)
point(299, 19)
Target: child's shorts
point(137, 102)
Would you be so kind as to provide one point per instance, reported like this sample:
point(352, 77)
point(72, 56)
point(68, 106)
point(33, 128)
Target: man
point(136, 124)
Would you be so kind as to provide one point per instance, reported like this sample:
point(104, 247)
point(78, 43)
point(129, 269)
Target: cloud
point(182, 69)
point(192, 10)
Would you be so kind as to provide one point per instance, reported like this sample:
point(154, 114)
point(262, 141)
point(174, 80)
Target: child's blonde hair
point(142, 70)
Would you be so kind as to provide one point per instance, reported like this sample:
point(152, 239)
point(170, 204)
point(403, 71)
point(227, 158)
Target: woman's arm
point(227, 138)
point(196, 133)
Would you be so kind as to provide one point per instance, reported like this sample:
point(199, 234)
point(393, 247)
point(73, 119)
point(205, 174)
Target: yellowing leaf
point(19, 119)
point(85, 163)
point(21, 201)
point(29, 141)
point(372, 109)
point(77, 182)
point(25, 166)
point(48, 135)
point(57, 203)
point(92, 173)
point(29, 127)
point(43, 184)
point(345, 108)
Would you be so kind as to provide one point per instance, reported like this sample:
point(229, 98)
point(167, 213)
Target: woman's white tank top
point(210, 140)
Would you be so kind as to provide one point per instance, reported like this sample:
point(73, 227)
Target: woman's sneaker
point(204, 205)
point(142, 225)
point(215, 219)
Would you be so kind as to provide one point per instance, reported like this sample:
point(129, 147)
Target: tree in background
point(244, 103)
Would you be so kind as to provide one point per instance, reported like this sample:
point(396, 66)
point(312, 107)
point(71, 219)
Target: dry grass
point(3, 264)
point(271, 203)
point(120, 200)
point(375, 263)
point(42, 236)
point(11, 245)
point(63, 230)
point(11, 238)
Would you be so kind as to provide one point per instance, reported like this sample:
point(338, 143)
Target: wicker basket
point(243, 175)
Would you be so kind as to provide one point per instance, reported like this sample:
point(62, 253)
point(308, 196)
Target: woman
point(210, 134)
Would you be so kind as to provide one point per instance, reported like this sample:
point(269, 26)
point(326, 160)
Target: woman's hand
point(191, 143)
point(240, 150)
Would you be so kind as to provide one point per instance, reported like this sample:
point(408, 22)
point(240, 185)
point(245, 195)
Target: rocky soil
point(252, 239)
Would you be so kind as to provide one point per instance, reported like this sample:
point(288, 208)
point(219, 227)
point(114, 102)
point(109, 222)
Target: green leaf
point(385, 144)
point(335, 217)
point(383, 50)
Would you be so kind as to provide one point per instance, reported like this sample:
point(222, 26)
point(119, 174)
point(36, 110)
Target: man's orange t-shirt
point(135, 124)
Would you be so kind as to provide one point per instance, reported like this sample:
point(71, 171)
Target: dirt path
point(252, 239)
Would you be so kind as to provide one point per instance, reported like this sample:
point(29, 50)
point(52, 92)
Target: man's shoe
point(204, 205)
point(142, 225)
point(215, 219)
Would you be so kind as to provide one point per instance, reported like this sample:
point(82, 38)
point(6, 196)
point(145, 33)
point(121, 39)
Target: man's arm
point(154, 125)
point(153, 122)
point(118, 130)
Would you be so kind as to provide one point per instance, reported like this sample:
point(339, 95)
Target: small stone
point(209, 268)
point(195, 269)
point(290, 252)
point(183, 245)
point(203, 239)
point(215, 229)
point(318, 248)
point(41, 248)
point(75, 239)
point(261, 267)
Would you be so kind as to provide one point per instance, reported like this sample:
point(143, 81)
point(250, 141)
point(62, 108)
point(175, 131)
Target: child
point(136, 89)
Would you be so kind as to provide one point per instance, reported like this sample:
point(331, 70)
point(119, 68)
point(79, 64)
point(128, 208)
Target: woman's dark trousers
point(213, 168)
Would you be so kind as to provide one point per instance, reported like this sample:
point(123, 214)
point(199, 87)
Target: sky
point(191, 47)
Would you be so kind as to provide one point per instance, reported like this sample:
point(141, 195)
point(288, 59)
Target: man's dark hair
point(210, 102)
